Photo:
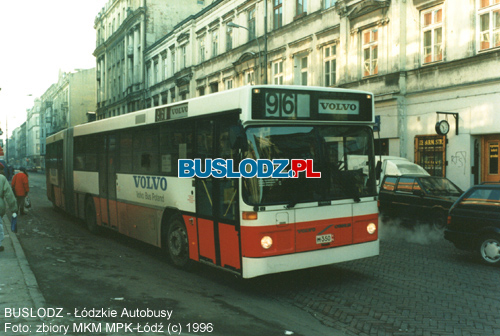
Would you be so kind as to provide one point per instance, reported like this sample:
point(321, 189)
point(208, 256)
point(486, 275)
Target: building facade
point(125, 29)
point(64, 104)
point(33, 135)
point(427, 61)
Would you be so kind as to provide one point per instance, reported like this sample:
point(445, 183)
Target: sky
point(38, 38)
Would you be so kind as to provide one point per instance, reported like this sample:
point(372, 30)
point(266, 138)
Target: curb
point(29, 278)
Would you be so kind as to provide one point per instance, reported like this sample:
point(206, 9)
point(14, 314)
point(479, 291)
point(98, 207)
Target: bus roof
point(234, 99)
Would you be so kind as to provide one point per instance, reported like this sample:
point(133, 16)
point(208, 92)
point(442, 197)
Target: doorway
point(490, 160)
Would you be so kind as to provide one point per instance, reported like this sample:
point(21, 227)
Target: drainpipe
point(401, 102)
point(265, 42)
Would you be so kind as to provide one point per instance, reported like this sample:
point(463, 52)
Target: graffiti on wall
point(459, 159)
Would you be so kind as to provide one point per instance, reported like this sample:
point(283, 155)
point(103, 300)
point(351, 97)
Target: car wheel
point(439, 221)
point(177, 243)
point(489, 249)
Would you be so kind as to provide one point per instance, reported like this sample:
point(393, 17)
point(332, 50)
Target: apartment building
point(64, 104)
point(33, 135)
point(432, 64)
point(125, 29)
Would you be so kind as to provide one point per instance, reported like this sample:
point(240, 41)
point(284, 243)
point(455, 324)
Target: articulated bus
point(123, 173)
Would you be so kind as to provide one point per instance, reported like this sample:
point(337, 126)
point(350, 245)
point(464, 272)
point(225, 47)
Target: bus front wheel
point(177, 243)
point(90, 216)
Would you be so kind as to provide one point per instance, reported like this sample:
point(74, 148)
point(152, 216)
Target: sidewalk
point(18, 285)
point(19, 290)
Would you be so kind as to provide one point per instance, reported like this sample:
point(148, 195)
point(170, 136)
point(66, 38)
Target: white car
point(397, 166)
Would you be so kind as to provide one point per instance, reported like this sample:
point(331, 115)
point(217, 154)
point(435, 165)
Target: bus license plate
point(324, 239)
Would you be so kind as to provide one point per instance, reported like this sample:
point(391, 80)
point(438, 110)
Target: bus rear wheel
point(177, 243)
point(90, 216)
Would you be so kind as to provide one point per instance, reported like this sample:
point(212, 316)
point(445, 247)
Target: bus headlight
point(371, 228)
point(266, 242)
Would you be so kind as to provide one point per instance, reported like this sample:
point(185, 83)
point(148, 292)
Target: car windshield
point(343, 155)
point(440, 186)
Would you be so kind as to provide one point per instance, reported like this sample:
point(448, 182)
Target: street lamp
point(234, 25)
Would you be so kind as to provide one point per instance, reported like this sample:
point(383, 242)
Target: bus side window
point(79, 154)
point(125, 149)
point(145, 151)
point(176, 142)
point(90, 143)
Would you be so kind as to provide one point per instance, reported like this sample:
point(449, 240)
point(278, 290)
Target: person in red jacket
point(21, 188)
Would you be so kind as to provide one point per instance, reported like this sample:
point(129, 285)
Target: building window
point(330, 3)
point(489, 24)
point(430, 153)
point(303, 70)
point(228, 84)
point(330, 65)
point(251, 24)
point(370, 52)
point(172, 61)
point(278, 13)
point(202, 49)
point(156, 74)
point(278, 74)
point(301, 7)
point(215, 43)
point(432, 31)
point(229, 38)
point(149, 74)
point(248, 77)
point(183, 56)
point(214, 87)
point(165, 67)
point(201, 91)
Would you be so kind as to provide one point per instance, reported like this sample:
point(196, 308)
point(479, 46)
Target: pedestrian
point(21, 188)
point(11, 173)
point(6, 197)
point(7, 172)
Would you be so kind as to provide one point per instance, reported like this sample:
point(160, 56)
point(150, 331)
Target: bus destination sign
point(171, 112)
point(289, 104)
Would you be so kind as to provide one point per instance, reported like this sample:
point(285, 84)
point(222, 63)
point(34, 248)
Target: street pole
point(6, 139)
point(234, 25)
point(6, 142)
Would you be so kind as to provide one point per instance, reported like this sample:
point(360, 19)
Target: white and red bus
point(122, 173)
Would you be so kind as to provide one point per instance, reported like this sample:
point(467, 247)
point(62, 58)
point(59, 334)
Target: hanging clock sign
point(442, 127)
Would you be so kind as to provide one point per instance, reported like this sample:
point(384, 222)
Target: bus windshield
point(343, 155)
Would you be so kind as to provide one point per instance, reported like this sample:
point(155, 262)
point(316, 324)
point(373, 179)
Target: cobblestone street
point(419, 285)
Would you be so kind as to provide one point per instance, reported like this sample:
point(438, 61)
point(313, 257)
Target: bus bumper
point(253, 267)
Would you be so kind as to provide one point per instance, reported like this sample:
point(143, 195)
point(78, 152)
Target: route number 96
point(286, 105)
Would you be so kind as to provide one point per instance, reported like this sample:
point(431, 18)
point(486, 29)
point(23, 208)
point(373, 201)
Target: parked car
point(417, 197)
point(397, 166)
point(474, 222)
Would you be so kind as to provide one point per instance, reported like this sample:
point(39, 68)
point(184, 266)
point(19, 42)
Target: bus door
point(108, 156)
point(217, 198)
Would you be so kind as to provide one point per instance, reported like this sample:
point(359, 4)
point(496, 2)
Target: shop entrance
point(490, 160)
